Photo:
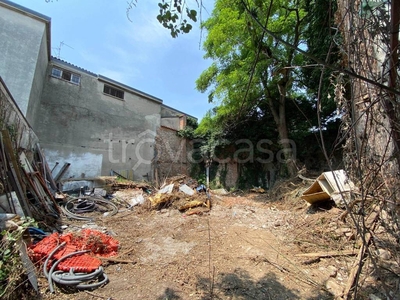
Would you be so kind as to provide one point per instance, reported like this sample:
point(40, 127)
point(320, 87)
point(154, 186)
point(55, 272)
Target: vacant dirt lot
point(246, 247)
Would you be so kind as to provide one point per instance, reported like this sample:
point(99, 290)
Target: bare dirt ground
point(245, 247)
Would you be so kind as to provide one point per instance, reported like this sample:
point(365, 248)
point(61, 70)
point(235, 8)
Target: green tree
point(251, 67)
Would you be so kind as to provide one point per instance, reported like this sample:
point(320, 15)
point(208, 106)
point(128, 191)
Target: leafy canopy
point(174, 15)
point(248, 64)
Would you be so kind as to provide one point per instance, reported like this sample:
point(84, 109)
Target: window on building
point(66, 75)
point(76, 78)
point(56, 72)
point(113, 91)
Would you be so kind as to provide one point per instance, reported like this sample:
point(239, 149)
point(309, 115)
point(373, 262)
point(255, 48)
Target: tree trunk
point(281, 124)
point(371, 149)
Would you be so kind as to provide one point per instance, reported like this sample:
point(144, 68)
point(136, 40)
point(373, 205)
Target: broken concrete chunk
point(100, 192)
point(138, 199)
point(332, 271)
point(384, 254)
point(167, 189)
point(334, 287)
point(187, 190)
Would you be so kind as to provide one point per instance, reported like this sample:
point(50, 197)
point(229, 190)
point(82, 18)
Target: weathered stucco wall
point(12, 119)
point(227, 174)
point(172, 118)
point(78, 123)
point(22, 38)
point(173, 123)
point(38, 81)
point(171, 154)
point(93, 131)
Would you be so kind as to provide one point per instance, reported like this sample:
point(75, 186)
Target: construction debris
point(187, 190)
point(131, 197)
point(159, 201)
point(27, 192)
point(5, 220)
point(333, 185)
point(192, 204)
point(259, 190)
point(74, 252)
point(166, 189)
point(183, 193)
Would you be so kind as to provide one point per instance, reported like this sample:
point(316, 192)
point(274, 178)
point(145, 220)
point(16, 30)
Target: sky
point(137, 51)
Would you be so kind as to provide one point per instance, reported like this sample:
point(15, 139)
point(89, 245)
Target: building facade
point(91, 123)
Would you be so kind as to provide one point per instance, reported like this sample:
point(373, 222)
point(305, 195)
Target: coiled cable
point(72, 279)
point(73, 210)
point(50, 277)
point(78, 279)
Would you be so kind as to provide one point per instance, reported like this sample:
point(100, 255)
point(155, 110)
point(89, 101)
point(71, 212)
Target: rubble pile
point(182, 193)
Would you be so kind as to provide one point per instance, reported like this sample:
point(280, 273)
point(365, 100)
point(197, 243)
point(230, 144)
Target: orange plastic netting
point(98, 243)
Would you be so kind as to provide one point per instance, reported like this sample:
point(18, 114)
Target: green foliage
point(189, 131)
point(322, 42)
point(173, 17)
point(200, 177)
point(251, 175)
point(11, 268)
point(248, 65)
point(192, 122)
point(257, 81)
point(121, 179)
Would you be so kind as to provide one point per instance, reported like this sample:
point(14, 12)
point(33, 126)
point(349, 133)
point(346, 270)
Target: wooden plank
point(48, 192)
point(327, 253)
point(3, 174)
point(37, 193)
point(37, 183)
point(16, 181)
point(47, 175)
point(316, 197)
point(57, 178)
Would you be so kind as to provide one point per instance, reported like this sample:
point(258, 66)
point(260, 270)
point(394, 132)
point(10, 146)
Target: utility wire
point(317, 60)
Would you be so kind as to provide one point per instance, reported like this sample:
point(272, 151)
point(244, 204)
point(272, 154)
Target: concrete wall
point(38, 81)
point(172, 150)
point(78, 124)
point(227, 174)
point(171, 154)
point(172, 118)
point(12, 119)
point(172, 123)
point(22, 38)
point(95, 132)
